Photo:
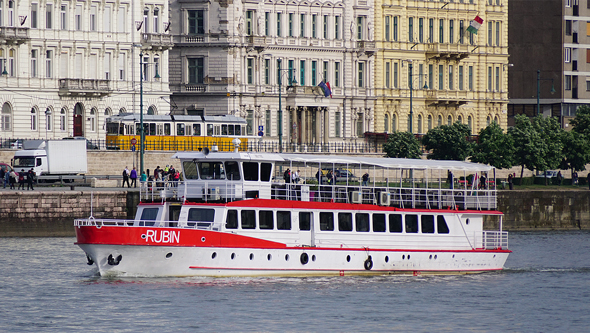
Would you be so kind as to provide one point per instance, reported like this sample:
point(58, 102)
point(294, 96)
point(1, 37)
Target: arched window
point(92, 119)
point(488, 120)
point(496, 119)
point(122, 110)
point(63, 116)
point(108, 112)
point(450, 120)
point(393, 123)
point(33, 119)
point(48, 119)
point(470, 124)
point(460, 119)
point(151, 110)
point(429, 122)
point(419, 123)
point(6, 117)
point(439, 120)
point(386, 123)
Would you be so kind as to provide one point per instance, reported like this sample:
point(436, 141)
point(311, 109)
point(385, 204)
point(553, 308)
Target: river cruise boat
point(265, 214)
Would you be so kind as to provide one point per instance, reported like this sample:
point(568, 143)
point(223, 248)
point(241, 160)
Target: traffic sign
point(133, 141)
point(260, 128)
point(133, 148)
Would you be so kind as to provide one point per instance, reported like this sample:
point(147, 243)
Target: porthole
point(467, 221)
point(386, 258)
point(202, 239)
point(453, 256)
point(304, 258)
point(269, 256)
point(213, 255)
point(233, 256)
point(408, 257)
point(169, 255)
point(494, 256)
point(348, 258)
point(251, 256)
point(143, 236)
point(430, 257)
point(313, 257)
point(403, 256)
point(286, 257)
point(435, 257)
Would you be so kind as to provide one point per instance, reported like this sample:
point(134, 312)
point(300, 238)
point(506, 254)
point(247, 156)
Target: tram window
point(128, 130)
point(223, 129)
point(211, 170)
point(362, 222)
point(248, 219)
point(201, 215)
point(230, 129)
point(190, 170)
point(217, 129)
point(345, 221)
point(166, 129)
point(304, 221)
point(138, 127)
point(251, 171)
point(411, 223)
point(232, 170)
point(378, 222)
point(188, 130)
point(265, 220)
point(326, 221)
point(160, 129)
point(179, 129)
point(152, 129)
point(209, 129)
point(113, 128)
point(231, 220)
point(441, 225)
point(197, 129)
point(265, 169)
point(284, 220)
point(427, 224)
point(395, 223)
point(239, 130)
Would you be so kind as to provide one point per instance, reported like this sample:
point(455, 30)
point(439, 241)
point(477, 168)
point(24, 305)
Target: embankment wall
point(51, 213)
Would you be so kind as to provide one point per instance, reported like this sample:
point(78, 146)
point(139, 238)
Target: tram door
point(306, 229)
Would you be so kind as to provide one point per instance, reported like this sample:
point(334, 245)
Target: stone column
point(303, 127)
point(318, 125)
point(326, 125)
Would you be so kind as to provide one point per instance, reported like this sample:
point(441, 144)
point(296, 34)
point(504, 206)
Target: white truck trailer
point(52, 157)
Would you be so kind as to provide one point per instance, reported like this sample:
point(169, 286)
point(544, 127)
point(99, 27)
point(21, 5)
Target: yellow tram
point(176, 132)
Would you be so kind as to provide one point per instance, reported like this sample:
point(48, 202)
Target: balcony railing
point(84, 87)
point(16, 35)
point(157, 41)
point(450, 51)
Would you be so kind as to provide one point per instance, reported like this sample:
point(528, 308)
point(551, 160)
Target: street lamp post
point(539, 90)
point(280, 111)
point(141, 130)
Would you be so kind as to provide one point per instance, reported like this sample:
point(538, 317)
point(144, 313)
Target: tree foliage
point(576, 151)
point(527, 151)
point(402, 145)
point(581, 123)
point(494, 147)
point(448, 142)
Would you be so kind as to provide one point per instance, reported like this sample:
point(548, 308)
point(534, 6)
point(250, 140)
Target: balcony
point(367, 47)
point(14, 35)
point(84, 87)
point(156, 42)
point(447, 51)
point(194, 88)
point(446, 98)
point(256, 43)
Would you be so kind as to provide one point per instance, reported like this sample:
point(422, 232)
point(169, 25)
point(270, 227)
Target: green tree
point(581, 123)
point(448, 142)
point(494, 147)
point(402, 145)
point(576, 151)
point(526, 140)
point(551, 142)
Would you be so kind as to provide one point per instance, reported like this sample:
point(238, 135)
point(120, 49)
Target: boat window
point(284, 220)
point(427, 223)
point(326, 221)
point(265, 169)
point(233, 170)
point(231, 221)
point(201, 214)
point(304, 221)
point(248, 219)
point(345, 221)
point(251, 171)
point(378, 222)
point(149, 214)
point(265, 220)
point(211, 170)
point(190, 170)
point(441, 225)
point(395, 223)
point(197, 129)
point(411, 223)
point(362, 222)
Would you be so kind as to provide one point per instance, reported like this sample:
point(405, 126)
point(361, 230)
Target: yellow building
point(427, 59)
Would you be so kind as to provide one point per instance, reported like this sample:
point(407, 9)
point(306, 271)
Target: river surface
point(45, 285)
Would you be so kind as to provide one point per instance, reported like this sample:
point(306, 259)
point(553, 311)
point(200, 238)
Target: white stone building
point(226, 54)
point(68, 64)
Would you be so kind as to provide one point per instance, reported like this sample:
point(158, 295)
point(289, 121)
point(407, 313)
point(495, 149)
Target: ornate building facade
point(266, 60)
point(430, 71)
point(66, 65)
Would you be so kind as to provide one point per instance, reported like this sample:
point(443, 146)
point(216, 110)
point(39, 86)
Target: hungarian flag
point(474, 25)
point(326, 88)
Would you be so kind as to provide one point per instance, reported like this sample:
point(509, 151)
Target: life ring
point(368, 264)
point(304, 258)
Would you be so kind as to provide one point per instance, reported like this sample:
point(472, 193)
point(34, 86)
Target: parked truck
point(52, 157)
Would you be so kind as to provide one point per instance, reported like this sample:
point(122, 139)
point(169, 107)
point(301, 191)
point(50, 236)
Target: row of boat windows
point(252, 171)
point(359, 222)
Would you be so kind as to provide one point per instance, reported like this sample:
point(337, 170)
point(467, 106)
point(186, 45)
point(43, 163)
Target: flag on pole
point(475, 24)
point(326, 88)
